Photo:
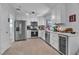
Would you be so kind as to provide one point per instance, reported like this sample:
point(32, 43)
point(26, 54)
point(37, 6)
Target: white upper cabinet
point(63, 13)
point(58, 13)
point(53, 15)
point(28, 34)
point(41, 21)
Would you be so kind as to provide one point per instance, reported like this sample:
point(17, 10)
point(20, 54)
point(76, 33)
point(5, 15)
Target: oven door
point(63, 44)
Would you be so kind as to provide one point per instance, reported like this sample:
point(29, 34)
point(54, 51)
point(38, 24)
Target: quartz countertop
point(68, 34)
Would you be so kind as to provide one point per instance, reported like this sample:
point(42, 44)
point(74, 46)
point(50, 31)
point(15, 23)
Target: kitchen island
point(66, 43)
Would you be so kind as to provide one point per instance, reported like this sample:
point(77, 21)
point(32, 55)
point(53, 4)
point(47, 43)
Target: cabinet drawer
point(55, 39)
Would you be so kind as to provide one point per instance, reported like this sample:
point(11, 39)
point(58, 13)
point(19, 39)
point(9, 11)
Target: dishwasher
point(63, 44)
point(47, 37)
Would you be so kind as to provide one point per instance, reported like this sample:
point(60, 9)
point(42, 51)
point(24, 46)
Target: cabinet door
point(43, 34)
point(28, 33)
point(63, 13)
point(58, 14)
point(39, 33)
point(41, 21)
point(51, 38)
point(55, 37)
point(53, 16)
point(54, 43)
point(73, 45)
point(51, 41)
point(54, 40)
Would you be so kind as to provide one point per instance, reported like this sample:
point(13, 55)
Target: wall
point(5, 41)
point(73, 8)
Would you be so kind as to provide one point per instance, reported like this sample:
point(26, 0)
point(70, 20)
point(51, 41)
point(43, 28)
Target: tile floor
point(30, 47)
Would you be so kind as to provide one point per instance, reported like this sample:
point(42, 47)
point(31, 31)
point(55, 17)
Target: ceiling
point(39, 9)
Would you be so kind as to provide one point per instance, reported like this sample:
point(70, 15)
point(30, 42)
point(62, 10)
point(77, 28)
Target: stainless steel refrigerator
point(19, 30)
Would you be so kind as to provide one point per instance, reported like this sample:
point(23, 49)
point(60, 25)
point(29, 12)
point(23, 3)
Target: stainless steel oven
point(63, 44)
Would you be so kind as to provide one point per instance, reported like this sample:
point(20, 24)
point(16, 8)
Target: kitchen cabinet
point(54, 41)
point(28, 22)
point(41, 34)
point(73, 46)
point(28, 33)
point(56, 14)
point(70, 42)
point(59, 13)
point(63, 13)
point(41, 21)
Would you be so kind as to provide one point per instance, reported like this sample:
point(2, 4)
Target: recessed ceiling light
point(17, 8)
point(53, 17)
point(27, 14)
point(33, 12)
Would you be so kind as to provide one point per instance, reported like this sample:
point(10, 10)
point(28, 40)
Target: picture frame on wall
point(72, 18)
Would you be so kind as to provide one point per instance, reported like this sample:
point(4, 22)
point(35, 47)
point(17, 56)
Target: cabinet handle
point(6, 32)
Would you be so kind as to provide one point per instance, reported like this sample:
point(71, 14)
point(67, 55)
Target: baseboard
point(21, 40)
point(3, 50)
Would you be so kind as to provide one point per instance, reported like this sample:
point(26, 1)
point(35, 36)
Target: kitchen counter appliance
point(47, 36)
point(34, 33)
point(34, 29)
point(63, 44)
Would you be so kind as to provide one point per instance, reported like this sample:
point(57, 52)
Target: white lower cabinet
point(28, 33)
point(54, 40)
point(73, 45)
point(41, 34)
point(55, 45)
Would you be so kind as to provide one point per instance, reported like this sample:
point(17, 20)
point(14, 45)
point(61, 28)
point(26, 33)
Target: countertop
point(68, 34)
